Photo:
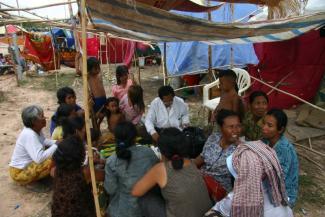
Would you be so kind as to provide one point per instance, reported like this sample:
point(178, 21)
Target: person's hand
point(155, 137)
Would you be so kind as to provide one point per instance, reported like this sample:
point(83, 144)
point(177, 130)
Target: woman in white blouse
point(31, 159)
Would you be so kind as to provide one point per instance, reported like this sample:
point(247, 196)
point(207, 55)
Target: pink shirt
point(131, 113)
point(118, 91)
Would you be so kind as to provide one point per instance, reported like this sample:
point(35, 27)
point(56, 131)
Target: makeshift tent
point(38, 48)
point(192, 57)
point(63, 38)
point(295, 66)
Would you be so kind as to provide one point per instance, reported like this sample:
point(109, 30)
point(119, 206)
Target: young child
point(71, 193)
point(113, 113)
point(66, 95)
point(132, 104)
point(96, 83)
point(64, 111)
point(123, 82)
point(229, 98)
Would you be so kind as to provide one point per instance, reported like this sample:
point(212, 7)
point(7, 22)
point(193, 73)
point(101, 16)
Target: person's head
point(166, 94)
point(227, 79)
point(112, 105)
point(33, 117)
point(230, 125)
point(63, 111)
point(66, 95)
point(70, 154)
point(95, 135)
point(274, 124)
point(122, 73)
point(258, 103)
point(125, 134)
point(135, 96)
point(93, 66)
point(173, 147)
point(74, 126)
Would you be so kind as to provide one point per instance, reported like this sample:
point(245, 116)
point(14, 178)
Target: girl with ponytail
point(181, 183)
point(123, 169)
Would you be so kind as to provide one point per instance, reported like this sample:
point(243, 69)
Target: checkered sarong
point(255, 163)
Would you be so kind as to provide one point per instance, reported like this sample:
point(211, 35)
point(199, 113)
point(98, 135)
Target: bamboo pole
point(37, 7)
point(86, 106)
point(164, 63)
point(289, 94)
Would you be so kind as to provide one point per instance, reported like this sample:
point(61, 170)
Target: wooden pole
point(86, 106)
point(209, 52)
point(33, 8)
point(164, 63)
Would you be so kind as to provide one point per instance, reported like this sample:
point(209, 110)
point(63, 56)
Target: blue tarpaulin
point(67, 34)
point(192, 57)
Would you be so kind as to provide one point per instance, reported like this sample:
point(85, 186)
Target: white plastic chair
point(243, 82)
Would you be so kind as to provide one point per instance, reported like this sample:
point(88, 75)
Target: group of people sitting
point(246, 168)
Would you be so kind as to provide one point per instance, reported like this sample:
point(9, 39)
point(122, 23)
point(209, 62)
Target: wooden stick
point(279, 83)
point(309, 149)
point(86, 105)
point(311, 160)
point(37, 7)
point(289, 94)
point(164, 63)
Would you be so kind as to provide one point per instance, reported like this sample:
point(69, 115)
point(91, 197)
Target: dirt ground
point(18, 201)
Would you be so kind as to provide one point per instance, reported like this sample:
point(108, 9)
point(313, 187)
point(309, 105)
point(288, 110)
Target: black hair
point(257, 93)
point(281, 118)
point(71, 125)
point(165, 91)
point(171, 144)
point(135, 95)
point(120, 71)
point(125, 134)
point(94, 134)
point(63, 92)
point(223, 114)
point(92, 62)
point(70, 154)
point(63, 111)
point(108, 101)
point(195, 138)
point(229, 74)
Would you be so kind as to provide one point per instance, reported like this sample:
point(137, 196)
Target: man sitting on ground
point(165, 111)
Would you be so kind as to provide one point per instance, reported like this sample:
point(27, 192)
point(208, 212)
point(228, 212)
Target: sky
point(57, 12)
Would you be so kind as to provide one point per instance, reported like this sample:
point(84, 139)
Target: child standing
point(96, 83)
point(132, 104)
point(64, 111)
point(66, 95)
point(123, 82)
point(71, 194)
point(229, 98)
point(113, 113)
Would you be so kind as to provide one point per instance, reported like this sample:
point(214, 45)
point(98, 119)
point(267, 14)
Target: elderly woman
point(274, 125)
point(252, 122)
point(31, 159)
point(217, 148)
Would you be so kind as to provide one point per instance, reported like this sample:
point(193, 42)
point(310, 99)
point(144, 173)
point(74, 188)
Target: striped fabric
point(256, 164)
point(142, 22)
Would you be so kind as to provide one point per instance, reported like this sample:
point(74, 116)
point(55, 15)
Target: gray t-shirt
point(120, 176)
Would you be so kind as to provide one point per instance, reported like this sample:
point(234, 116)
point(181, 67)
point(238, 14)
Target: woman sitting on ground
point(274, 126)
point(253, 119)
point(217, 148)
point(64, 111)
point(31, 159)
point(71, 193)
point(259, 189)
point(181, 183)
point(123, 169)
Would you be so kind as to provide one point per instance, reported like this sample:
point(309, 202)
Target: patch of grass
point(309, 192)
point(2, 96)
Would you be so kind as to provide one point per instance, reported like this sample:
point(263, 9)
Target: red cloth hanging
point(304, 56)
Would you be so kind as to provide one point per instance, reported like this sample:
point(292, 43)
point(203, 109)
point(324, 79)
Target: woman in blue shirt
point(273, 129)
